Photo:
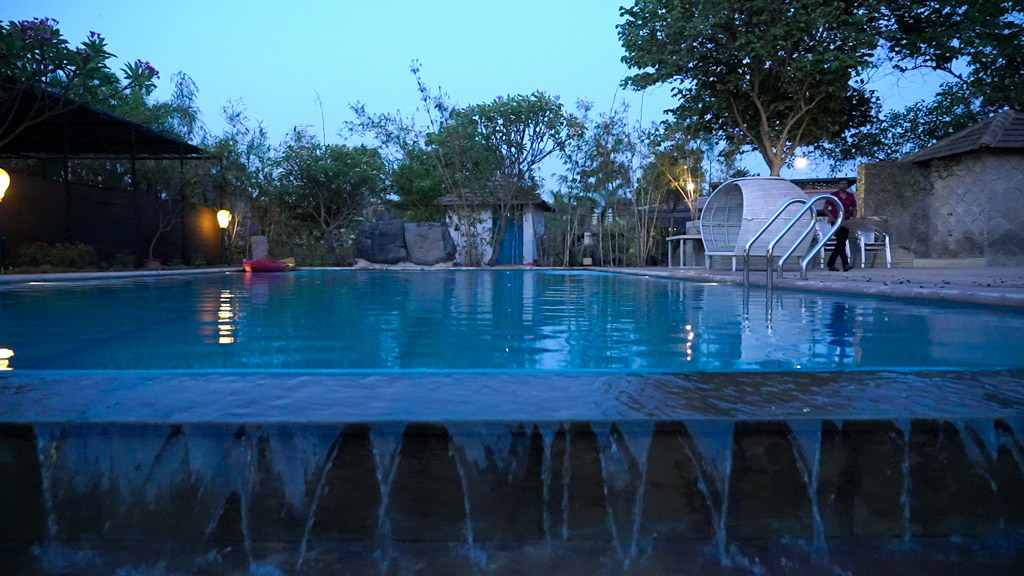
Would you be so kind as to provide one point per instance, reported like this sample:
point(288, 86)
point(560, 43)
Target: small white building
point(522, 243)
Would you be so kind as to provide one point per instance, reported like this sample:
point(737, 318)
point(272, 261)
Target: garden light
point(223, 218)
point(5, 183)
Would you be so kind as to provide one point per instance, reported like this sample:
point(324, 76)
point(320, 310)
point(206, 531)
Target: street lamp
point(5, 183)
point(223, 219)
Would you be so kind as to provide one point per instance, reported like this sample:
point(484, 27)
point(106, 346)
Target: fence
point(117, 223)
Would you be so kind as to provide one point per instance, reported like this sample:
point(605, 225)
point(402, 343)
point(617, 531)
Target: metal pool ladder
point(807, 205)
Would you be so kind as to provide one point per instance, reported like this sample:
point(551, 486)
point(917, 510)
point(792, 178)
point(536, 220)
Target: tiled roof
point(531, 198)
point(1004, 130)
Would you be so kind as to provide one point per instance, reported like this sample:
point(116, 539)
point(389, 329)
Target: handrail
point(750, 243)
point(785, 257)
point(789, 225)
point(799, 240)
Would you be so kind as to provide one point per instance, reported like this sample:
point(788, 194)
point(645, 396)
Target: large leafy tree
point(328, 186)
point(773, 75)
point(979, 43)
point(976, 47)
point(38, 65)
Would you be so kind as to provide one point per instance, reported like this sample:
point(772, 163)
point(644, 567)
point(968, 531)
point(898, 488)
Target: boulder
point(382, 242)
point(429, 243)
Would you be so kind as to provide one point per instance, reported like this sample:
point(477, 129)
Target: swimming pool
point(468, 422)
point(488, 321)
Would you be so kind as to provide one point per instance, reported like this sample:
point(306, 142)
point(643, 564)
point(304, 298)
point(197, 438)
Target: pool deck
point(994, 286)
point(991, 285)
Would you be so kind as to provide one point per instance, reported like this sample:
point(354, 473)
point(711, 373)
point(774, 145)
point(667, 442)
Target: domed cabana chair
point(738, 209)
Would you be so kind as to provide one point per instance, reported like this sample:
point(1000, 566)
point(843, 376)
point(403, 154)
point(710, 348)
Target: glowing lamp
point(5, 183)
point(223, 218)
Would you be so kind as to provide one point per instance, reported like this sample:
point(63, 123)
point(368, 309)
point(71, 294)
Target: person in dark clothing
point(849, 202)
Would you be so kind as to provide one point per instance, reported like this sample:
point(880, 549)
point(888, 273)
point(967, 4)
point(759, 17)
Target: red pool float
point(266, 265)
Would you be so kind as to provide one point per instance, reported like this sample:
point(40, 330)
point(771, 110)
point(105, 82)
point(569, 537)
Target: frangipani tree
point(36, 60)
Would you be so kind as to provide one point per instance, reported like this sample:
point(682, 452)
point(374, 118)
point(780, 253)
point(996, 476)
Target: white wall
point(529, 242)
point(483, 235)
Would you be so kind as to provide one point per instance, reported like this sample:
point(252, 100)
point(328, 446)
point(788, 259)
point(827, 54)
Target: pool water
point(487, 321)
point(502, 422)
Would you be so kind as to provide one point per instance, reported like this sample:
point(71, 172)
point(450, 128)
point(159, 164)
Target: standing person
point(849, 202)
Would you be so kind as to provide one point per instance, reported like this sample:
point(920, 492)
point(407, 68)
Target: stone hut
point(524, 230)
point(961, 198)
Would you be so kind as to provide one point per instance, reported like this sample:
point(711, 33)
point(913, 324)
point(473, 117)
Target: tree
point(607, 174)
point(241, 178)
point(447, 151)
point(978, 43)
point(574, 204)
point(419, 187)
point(523, 131)
point(38, 66)
point(328, 186)
point(977, 46)
point(773, 75)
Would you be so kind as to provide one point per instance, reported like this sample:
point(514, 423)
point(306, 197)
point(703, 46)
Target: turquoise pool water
point(491, 422)
point(487, 321)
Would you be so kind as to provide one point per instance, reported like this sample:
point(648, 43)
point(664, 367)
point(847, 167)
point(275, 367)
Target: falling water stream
point(548, 430)
point(714, 439)
point(387, 447)
point(976, 439)
point(806, 441)
point(137, 470)
point(315, 502)
point(476, 555)
point(904, 426)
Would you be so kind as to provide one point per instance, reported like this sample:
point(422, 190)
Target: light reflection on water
point(488, 320)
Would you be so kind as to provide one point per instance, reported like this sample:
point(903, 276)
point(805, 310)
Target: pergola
point(42, 125)
point(60, 128)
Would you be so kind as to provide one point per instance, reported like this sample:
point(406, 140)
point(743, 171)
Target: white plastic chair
point(872, 239)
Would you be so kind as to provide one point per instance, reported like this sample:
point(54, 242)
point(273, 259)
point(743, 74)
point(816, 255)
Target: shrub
point(59, 256)
point(123, 261)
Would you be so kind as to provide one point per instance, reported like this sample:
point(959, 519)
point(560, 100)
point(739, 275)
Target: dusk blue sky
point(276, 57)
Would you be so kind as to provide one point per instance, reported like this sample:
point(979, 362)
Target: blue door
point(512, 244)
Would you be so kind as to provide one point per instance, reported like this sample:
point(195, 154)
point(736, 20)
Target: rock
point(382, 242)
point(429, 243)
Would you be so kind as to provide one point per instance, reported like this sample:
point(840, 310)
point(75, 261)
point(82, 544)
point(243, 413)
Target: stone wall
point(899, 193)
point(633, 497)
point(977, 207)
point(968, 206)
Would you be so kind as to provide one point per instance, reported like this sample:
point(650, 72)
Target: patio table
point(682, 239)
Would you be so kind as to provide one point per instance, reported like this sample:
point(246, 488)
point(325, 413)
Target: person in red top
point(849, 202)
